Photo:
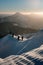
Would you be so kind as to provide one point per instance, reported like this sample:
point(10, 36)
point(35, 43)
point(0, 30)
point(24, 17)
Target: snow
point(1, 60)
point(11, 45)
point(24, 59)
point(28, 51)
point(35, 53)
point(24, 39)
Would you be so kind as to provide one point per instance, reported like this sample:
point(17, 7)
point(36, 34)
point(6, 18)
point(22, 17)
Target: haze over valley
point(34, 21)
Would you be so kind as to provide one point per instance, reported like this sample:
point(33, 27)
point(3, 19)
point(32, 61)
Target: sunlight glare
point(29, 13)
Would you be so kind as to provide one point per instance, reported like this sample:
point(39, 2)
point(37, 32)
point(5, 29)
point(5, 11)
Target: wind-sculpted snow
point(11, 46)
point(30, 58)
point(36, 53)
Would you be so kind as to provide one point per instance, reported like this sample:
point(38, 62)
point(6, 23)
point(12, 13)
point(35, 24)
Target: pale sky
point(13, 6)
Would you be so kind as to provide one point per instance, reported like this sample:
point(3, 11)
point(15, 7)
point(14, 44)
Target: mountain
point(11, 28)
point(17, 18)
point(16, 24)
point(12, 46)
point(5, 15)
point(34, 57)
point(30, 21)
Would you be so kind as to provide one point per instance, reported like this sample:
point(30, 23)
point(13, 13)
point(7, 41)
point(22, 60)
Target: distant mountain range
point(14, 24)
point(30, 21)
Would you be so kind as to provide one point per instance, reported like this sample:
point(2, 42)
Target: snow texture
point(26, 52)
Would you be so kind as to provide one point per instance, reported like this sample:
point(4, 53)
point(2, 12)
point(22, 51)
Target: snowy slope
point(11, 46)
point(34, 57)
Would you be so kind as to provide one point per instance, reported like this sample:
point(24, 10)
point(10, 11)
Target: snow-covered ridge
point(28, 58)
point(12, 46)
point(26, 52)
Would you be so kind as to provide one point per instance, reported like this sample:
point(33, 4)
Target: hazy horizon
point(25, 7)
point(24, 13)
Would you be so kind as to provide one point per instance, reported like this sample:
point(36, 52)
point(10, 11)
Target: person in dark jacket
point(22, 38)
point(18, 37)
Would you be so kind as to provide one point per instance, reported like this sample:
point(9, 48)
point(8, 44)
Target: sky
point(21, 6)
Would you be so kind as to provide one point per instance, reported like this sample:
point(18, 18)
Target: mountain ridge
point(11, 28)
point(29, 21)
point(11, 45)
